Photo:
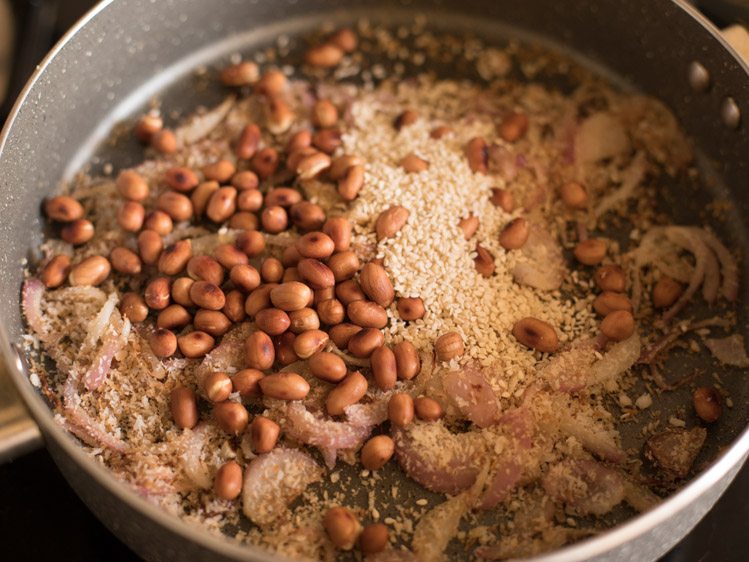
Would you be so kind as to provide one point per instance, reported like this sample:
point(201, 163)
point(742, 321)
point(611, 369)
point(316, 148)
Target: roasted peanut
point(299, 140)
point(349, 291)
point(176, 205)
point(246, 382)
point(259, 351)
point(205, 268)
point(331, 312)
point(343, 265)
point(55, 272)
point(341, 334)
point(513, 127)
point(400, 409)
point(227, 483)
point(231, 417)
point(292, 274)
point(181, 179)
point(207, 295)
point(315, 273)
point(410, 308)
point(181, 291)
point(212, 322)
point(707, 404)
point(326, 55)
point(265, 162)
point(173, 316)
point(610, 278)
point(377, 452)
point(307, 216)
point(245, 180)
point(427, 409)
point(310, 342)
point(291, 296)
point(618, 325)
point(244, 221)
point(348, 392)
point(327, 141)
point(405, 118)
point(271, 270)
point(363, 343)
point(414, 164)
point(130, 216)
point(245, 277)
point(573, 195)
point(217, 386)
point(484, 262)
point(147, 126)
point(243, 73)
point(449, 346)
point(536, 334)
point(367, 314)
point(324, 114)
point(222, 204)
point(284, 346)
point(327, 366)
point(157, 293)
point(316, 245)
point(248, 142)
point(284, 386)
point(183, 407)
point(469, 226)
point(608, 302)
point(274, 219)
point(407, 360)
point(440, 132)
point(272, 321)
point(376, 284)
point(272, 83)
point(163, 342)
point(515, 234)
point(503, 199)
point(345, 39)
point(341, 164)
point(165, 142)
point(251, 242)
point(666, 292)
point(159, 222)
point(175, 257)
point(228, 255)
point(391, 221)
point(373, 538)
point(150, 246)
point(384, 369)
point(264, 433)
point(303, 320)
point(77, 232)
point(312, 164)
point(220, 171)
point(195, 344)
point(323, 295)
point(342, 527)
point(282, 197)
point(234, 307)
point(63, 208)
point(477, 154)
point(351, 182)
point(338, 229)
point(91, 271)
point(590, 251)
point(134, 307)
point(259, 299)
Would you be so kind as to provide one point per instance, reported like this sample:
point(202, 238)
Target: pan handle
point(19, 433)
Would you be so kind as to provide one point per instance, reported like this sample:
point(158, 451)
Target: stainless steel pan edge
point(156, 535)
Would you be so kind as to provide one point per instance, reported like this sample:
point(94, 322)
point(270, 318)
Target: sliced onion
point(729, 350)
point(507, 474)
point(194, 467)
point(472, 395)
point(585, 486)
point(99, 324)
point(434, 457)
point(615, 361)
point(594, 439)
point(31, 303)
point(542, 264)
point(632, 177)
point(691, 242)
point(568, 371)
point(600, 136)
point(111, 345)
point(730, 271)
point(518, 423)
point(502, 162)
point(274, 480)
point(200, 126)
point(228, 356)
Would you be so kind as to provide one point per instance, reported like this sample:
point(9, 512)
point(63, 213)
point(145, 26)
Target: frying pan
point(125, 51)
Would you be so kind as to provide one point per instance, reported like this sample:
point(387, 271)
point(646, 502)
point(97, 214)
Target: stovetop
point(41, 518)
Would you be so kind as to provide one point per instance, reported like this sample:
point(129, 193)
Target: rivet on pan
point(699, 77)
point(730, 113)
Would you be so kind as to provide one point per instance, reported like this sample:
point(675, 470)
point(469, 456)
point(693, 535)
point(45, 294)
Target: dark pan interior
point(63, 128)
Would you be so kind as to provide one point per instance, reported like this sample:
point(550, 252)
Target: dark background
point(40, 516)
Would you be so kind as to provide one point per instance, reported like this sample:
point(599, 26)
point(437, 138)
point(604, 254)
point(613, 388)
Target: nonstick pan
point(125, 51)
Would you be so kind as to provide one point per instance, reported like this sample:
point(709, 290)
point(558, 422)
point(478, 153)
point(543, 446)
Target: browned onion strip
point(200, 126)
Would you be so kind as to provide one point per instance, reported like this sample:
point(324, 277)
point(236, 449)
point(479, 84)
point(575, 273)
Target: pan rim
point(595, 546)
